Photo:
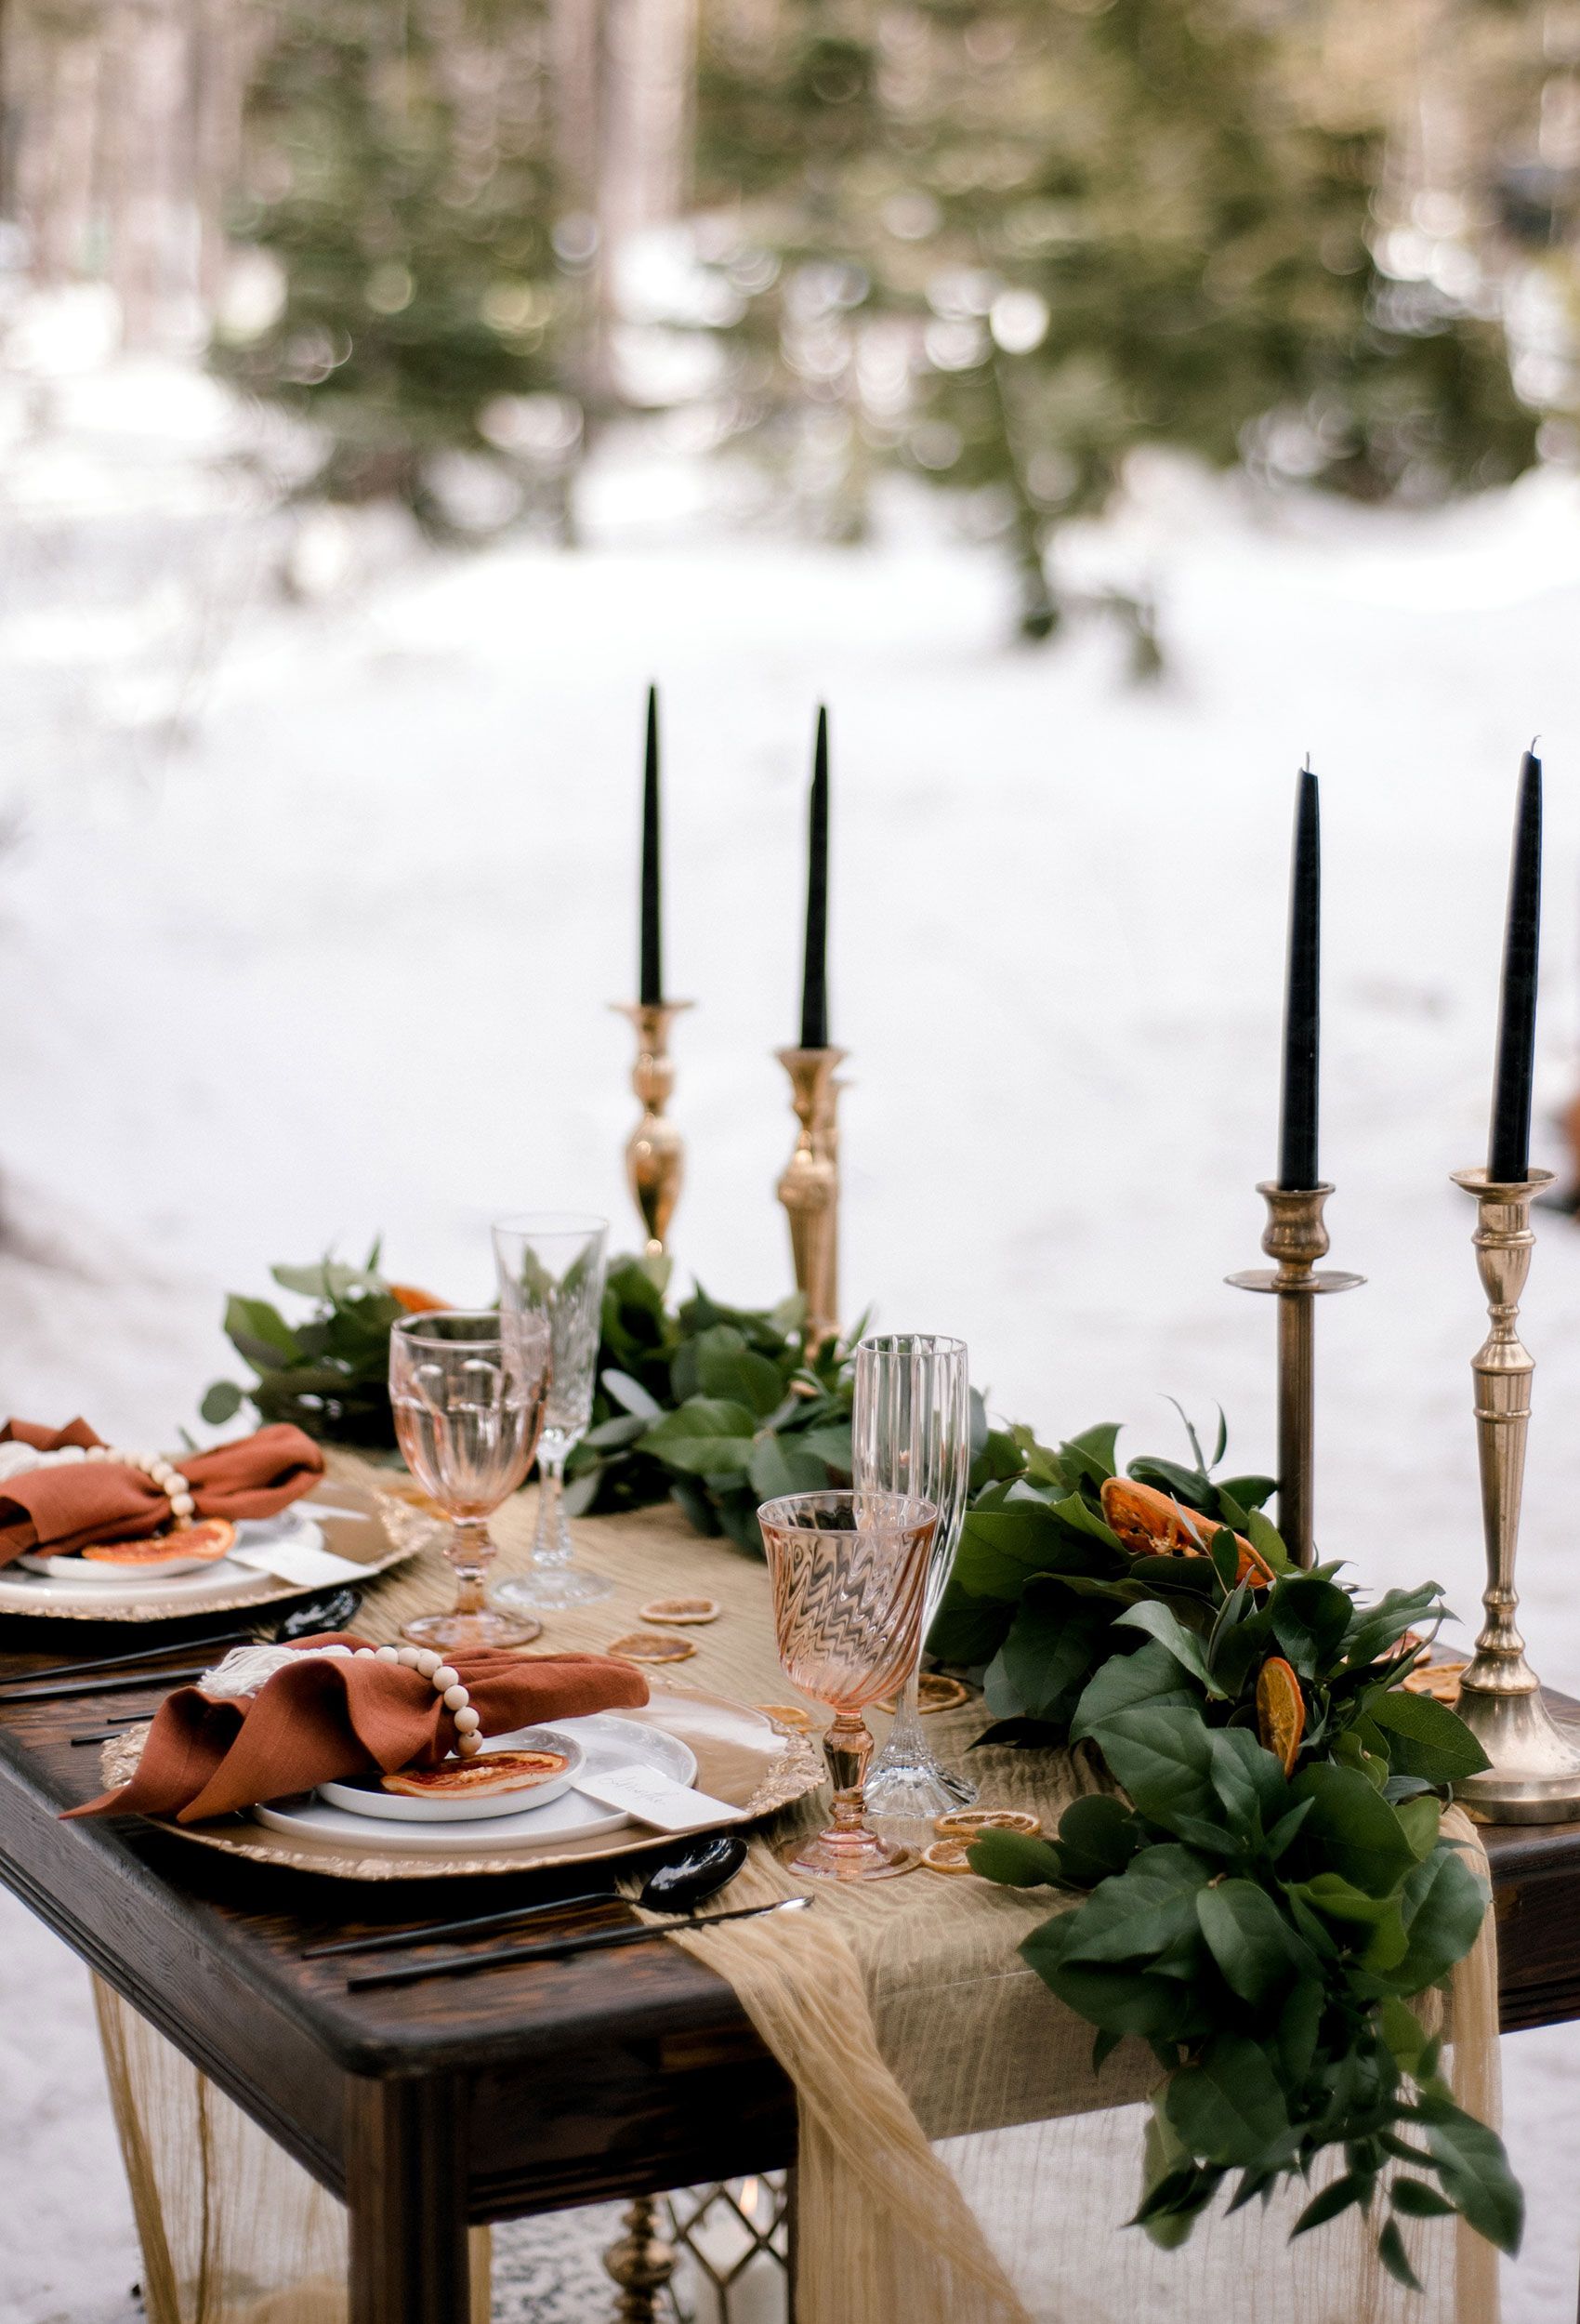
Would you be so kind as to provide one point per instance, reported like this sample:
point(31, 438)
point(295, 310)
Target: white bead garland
point(158, 1470)
point(446, 1685)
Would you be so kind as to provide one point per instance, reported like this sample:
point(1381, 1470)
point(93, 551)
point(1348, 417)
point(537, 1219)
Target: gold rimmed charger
point(742, 1758)
point(370, 1528)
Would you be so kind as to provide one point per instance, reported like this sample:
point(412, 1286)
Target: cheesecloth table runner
point(958, 2162)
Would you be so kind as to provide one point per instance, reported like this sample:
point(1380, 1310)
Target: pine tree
point(1005, 246)
point(400, 171)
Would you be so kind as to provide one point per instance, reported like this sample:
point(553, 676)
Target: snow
point(320, 868)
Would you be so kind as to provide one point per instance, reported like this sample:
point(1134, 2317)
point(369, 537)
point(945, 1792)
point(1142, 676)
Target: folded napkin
point(69, 1503)
point(318, 1717)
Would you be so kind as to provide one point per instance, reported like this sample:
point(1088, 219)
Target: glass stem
point(469, 1549)
point(551, 1543)
point(847, 1746)
point(905, 1738)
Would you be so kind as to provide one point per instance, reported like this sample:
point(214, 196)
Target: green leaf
point(1247, 1493)
point(1391, 2251)
point(615, 1435)
point(1257, 1953)
point(776, 1468)
point(1353, 1826)
point(1299, 2025)
point(1355, 2186)
point(965, 1629)
point(1309, 1619)
point(1132, 1916)
point(1015, 1859)
point(1044, 1663)
point(1250, 1781)
point(707, 1436)
point(222, 1402)
point(1151, 1676)
point(728, 1368)
point(1443, 1905)
point(1228, 2109)
point(1425, 1737)
point(1402, 2031)
point(1417, 2200)
point(630, 1394)
point(828, 1443)
point(1474, 2171)
point(255, 1324)
point(1093, 1450)
point(1097, 1836)
point(1186, 1647)
point(1163, 1759)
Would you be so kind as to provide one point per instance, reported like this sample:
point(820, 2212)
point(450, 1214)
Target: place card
point(656, 1799)
point(297, 1561)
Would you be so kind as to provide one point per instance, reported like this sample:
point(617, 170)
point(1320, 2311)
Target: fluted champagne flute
point(466, 1389)
point(848, 1573)
point(911, 1433)
point(551, 1264)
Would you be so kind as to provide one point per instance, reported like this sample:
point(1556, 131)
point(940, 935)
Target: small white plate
point(364, 1797)
point(250, 1533)
point(608, 1741)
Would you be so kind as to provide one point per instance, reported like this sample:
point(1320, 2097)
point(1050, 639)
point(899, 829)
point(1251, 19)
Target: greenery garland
point(1263, 1916)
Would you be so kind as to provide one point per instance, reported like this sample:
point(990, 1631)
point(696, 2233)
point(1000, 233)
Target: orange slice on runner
point(209, 1539)
point(1281, 1711)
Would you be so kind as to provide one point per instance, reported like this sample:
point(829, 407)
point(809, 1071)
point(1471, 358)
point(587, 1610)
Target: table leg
point(406, 2190)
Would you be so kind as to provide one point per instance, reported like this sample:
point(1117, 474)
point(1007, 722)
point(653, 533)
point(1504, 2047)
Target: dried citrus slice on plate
point(211, 1537)
point(1281, 1710)
point(965, 1823)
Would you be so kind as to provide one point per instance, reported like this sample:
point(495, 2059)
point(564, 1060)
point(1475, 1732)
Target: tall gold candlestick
point(810, 1186)
point(1534, 1775)
point(655, 1152)
point(1295, 1238)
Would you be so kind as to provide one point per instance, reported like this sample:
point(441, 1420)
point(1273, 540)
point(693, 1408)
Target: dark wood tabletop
point(524, 2089)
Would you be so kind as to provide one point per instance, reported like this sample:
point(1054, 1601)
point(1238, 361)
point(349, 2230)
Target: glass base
point(471, 1633)
point(546, 1586)
point(857, 1854)
point(916, 1788)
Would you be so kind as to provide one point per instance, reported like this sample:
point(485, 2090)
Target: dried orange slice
point(934, 1693)
point(417, 1302)
point(946, 1856)
point(681, 1611)
point(1440, 1680)
point(787, 1715)
point(1150, 1524)
point(652, 1646)
point(210, 1539)
point(965, 1823)
point(1281, 1710)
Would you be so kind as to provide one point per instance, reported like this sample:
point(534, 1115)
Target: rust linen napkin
point(322, 1718)
point(65, 1508)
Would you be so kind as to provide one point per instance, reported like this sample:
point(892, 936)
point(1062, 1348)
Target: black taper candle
point(1298, 1124)
point(814, 978)
point(653, 916)
point(1508, 1153)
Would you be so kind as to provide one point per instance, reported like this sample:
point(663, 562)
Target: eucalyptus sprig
point(1263, 1925)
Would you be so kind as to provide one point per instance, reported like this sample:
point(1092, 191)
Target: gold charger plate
point(386, 1529)
point(741, 1758)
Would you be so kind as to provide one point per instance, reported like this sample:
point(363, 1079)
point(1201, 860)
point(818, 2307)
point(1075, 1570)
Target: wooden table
point(431, 2106)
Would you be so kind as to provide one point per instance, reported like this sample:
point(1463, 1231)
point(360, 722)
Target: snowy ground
point(309, 907)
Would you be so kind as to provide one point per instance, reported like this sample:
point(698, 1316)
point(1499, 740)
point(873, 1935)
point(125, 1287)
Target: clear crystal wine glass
point(467, 1387)
point(849, 1572)
point(911, 1433)
point(551, 1264)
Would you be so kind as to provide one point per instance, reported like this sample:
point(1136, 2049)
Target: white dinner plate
point(608, 1742)
point(71, 1581)
point(363, 1795)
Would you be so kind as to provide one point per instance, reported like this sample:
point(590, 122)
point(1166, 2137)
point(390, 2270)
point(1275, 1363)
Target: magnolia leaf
point(1474, 2171)
point(778, 1467)
point(1162, 1757)
point(1391, 2251)
point(1257, 1953)
point(1300, 2023)
point(1043, 1664)
point(727, 1367)
point(1015, 1859)
point(1355, 2186)
point(632, 1396)
point(709, 1436)
point(1229, 2107)
point(1442, 1904)
point(828, 1443)
point(1425, 1737)
point(1186, 1647)
point(615, 1435)
point(1246, 1493)
point(1093, 1450)
point(1358, 1832)
point(1130, 1918)
point(1417, 2200)
point(1151, 1676)
point(222, 1402)
point(1309, 1619)
point(1249, 1780)
point(1098, 1835)
point(251, 1324)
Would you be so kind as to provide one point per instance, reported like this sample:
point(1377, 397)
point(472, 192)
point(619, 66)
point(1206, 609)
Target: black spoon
point(330, 1613)
point(689, 1875)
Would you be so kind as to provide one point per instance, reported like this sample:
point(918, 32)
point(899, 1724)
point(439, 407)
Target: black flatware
point(475, 1925)
point(692, 1874)
point(562, 1947)
point(333, 1612)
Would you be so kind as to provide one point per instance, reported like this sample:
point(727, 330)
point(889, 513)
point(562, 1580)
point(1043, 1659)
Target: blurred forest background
point(995, 247)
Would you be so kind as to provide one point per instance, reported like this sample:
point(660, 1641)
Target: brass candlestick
point(1534, 1775)
point(1295, 1237)
point(655, 1152)
point(809, 1187)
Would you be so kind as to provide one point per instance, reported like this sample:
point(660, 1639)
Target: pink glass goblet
point(850, 1574)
